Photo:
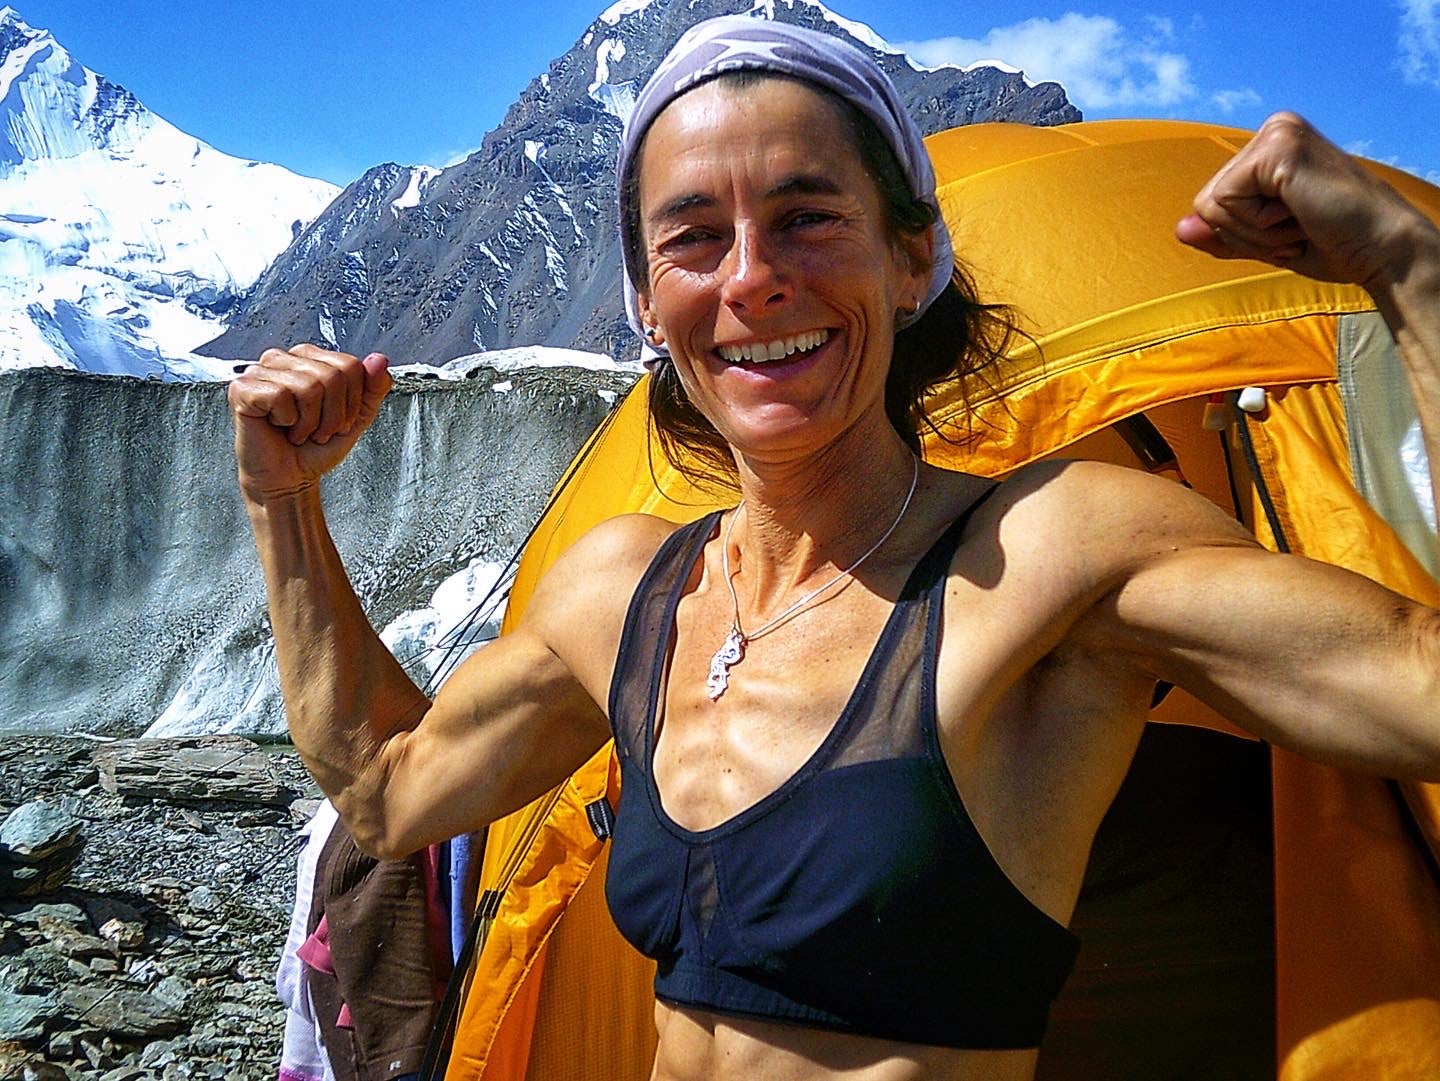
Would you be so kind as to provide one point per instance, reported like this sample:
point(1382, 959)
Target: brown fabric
point(375, 910)
point(324, 989)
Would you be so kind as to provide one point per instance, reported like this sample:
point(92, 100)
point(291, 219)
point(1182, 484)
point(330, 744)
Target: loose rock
point(36, 831)
point(124, 935)
point(31, 915)
point(165, 929)
point(23, 1017)
point(203, 768)
point(73, 942)
point(23, 881)
point(119, 1013)
point(40, 842)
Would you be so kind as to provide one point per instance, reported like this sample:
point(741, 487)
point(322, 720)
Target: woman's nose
point(753, 278)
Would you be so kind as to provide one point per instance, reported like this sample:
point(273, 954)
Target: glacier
point(131, 599)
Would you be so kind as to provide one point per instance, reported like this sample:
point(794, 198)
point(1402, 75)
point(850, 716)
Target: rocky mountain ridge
point(519, 244)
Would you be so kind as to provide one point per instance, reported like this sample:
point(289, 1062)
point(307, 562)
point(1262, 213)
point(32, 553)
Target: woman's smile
point(778, 349)
point(764, 364)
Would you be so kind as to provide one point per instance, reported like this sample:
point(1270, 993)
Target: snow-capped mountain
point(123, 241)
point(518, 245)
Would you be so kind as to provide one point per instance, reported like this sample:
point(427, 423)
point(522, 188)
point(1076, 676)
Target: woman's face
point(773, 280)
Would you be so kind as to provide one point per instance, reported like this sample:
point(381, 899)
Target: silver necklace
point(732, 650)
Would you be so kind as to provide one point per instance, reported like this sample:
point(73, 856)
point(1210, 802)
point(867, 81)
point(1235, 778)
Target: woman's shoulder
point(585, 591)
point(623, 545)
point(1107, 513)
point(1053, 539)
point(609, 559)
point(625, 541)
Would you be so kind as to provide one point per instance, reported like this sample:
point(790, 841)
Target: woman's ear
point(918, 250)
point(651, 325)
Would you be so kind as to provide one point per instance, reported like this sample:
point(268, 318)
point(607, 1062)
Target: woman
point(876, 696)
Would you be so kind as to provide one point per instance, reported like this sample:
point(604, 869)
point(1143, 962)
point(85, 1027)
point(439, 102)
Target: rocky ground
point(145, 893)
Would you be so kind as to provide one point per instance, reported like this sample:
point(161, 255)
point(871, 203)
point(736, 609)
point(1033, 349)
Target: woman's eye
point(688, 238)
point(809, 217)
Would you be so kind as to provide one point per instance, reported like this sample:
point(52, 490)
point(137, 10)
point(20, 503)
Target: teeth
point(776, 350)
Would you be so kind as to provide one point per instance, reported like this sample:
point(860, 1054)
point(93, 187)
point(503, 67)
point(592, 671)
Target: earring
point(651, 334)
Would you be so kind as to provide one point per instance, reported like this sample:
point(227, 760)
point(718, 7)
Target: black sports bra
point(856, 897)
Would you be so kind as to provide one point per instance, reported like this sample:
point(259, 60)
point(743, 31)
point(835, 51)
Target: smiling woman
point(951, 336)
point(869, 720)
point(758, 237)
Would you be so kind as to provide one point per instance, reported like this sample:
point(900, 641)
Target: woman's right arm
point(512, 722)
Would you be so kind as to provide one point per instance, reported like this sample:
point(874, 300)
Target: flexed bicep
point(1310, 656)
point(508, 726)
point(521, 714)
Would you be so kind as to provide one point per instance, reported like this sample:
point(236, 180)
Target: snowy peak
point(123, 240)
point(630, 27)
point(52, 107)
point(857, 30)
point(623, 9)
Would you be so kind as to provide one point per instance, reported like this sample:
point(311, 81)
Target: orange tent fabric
point(1072, 227)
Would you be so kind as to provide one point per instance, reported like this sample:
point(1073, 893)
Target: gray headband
point(743, 43)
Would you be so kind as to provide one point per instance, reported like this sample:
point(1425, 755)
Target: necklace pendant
point(730, 652)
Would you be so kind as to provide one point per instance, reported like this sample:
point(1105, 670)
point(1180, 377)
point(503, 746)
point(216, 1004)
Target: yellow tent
point(1072, 226)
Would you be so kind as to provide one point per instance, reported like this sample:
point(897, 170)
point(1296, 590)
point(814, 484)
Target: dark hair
point(958, 339)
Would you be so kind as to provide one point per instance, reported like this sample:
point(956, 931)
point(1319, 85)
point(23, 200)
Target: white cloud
point(1227, 101)
point(1365, 148)
point(451, 157)
point(1100, 63)
point(1161, 26)
point(1420, 41)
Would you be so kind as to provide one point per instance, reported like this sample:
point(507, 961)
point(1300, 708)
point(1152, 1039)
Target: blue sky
point(329, 89)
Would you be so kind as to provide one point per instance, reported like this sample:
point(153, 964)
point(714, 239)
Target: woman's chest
point(860, 671)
